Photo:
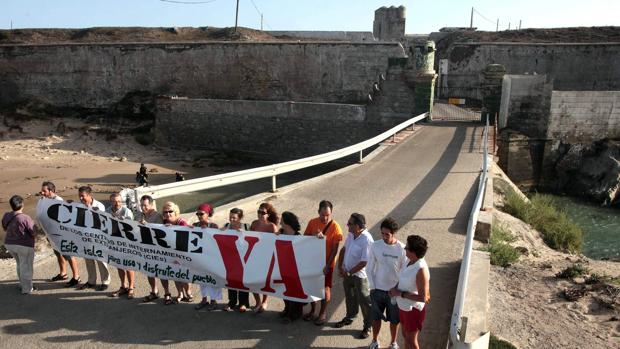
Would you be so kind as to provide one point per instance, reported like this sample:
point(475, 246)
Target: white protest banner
point(289, 267)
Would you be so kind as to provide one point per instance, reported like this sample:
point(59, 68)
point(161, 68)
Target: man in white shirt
point(126, 277)
point(387, 258)
point(48, 191)
point(352, 262)
point(85, 194)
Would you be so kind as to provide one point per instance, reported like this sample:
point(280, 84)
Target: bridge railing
point(169, 189)
point(457, 330)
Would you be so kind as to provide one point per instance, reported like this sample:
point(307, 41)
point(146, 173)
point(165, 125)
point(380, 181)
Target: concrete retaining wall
point(292, 130)
point(98, 75)
point(584, 116)
point(524, 105)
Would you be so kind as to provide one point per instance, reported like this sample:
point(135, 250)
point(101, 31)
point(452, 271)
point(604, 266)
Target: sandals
point(168, 299)
point(320, 322)
point(121, 291)
point(187, 299)
point(309, 317)
point(59, 278)
point(130, 294)
point(151, 297)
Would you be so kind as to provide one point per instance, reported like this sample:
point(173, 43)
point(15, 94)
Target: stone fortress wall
point(571, 67)
point(270, 95)
point(98, 75)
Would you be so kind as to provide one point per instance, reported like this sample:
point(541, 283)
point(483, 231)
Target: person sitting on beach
point(172, 216)
point(142, 176)
point(86, 198)
point(147, 215)
point(19, 241)
point(240, 298)
point(179, 177)
point(267, 222)
point(204, 212)
point(127, 277)
point(290, 226)
point(48, 191)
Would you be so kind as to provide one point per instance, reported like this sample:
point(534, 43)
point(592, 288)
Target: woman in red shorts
point(412, 291)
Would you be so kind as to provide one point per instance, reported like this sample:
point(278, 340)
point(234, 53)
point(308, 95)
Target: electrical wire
point(189, 2)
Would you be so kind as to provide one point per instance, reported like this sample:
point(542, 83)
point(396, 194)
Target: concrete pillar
point(491, 89)
point(389, 24)
point(425, 77)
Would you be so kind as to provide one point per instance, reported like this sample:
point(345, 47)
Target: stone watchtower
point(389, 24)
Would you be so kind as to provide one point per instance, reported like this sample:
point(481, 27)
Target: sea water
point(601, 227)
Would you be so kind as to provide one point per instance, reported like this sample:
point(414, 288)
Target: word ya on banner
point(289, 267)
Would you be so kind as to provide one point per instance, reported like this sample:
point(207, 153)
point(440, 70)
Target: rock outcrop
point(590, 171)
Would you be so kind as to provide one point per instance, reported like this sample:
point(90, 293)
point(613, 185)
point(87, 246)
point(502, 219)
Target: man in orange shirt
point(326, 226)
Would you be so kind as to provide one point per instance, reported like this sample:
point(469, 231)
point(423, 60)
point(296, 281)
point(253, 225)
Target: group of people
point(387, 280)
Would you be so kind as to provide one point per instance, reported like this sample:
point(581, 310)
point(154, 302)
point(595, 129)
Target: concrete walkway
point(426, 183)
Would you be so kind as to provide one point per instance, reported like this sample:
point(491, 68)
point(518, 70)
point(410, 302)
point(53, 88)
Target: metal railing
point(272, 171)
point(457, 335)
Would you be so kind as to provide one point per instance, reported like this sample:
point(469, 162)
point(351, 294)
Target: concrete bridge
point(427, 182)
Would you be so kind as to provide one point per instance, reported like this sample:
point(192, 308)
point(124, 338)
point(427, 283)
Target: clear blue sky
point(423, 16)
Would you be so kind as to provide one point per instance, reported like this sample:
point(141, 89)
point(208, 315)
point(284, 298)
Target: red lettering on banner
point(232, 260)
point(288, 269)
point(267, 287)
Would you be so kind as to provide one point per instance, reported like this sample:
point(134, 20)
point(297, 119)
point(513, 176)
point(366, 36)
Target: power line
point(483, 17)
point(189, 2)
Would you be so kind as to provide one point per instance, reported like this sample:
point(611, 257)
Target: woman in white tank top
point(412, 292)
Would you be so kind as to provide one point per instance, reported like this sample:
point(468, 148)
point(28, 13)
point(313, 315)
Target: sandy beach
point(37, 152)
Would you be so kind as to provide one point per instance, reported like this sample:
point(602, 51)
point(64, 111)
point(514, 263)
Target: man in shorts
point(387, 258)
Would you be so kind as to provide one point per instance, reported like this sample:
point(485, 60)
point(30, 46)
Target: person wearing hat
point(204, 212)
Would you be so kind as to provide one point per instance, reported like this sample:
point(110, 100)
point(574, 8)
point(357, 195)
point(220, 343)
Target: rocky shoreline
point(530, 306)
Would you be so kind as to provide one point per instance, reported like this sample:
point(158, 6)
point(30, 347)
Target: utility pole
point(237, 16)
point(261, 22)
point(471, 19)
point(509, 25)
point(497, 26)
point(519, 24)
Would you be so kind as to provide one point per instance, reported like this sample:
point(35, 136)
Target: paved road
point(426, 183)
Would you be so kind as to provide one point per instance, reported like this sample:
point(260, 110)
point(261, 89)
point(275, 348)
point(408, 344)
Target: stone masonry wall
point(99, 75)
point(571, 67)
point(584, 116)
point(286, 130)
point(525, 104)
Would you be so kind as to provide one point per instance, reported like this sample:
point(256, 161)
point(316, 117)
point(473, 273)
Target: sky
point(423, 16)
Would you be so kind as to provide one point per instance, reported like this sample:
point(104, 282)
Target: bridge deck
point(426, 182)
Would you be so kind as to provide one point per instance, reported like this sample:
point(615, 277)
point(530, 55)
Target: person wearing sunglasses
point(172, 216)
point(267, 222)
point(203, 213)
